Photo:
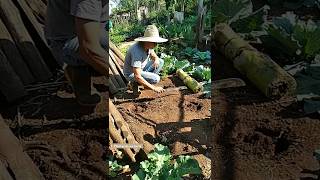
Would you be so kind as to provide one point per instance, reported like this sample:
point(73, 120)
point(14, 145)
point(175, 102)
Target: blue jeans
point(149, 73)
point(67, 50)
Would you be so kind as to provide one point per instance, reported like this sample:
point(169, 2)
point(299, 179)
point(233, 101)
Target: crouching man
point(142, 65)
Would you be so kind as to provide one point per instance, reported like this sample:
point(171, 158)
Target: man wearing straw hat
point(75, 32)
point(142, 65)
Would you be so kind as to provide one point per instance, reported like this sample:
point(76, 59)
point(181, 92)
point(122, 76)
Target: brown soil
point(65, 140)
point(256, 138)
point(178, 119)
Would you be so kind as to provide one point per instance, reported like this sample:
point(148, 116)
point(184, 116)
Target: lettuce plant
point(160, 166)
point(293, 38)
point(240, 16)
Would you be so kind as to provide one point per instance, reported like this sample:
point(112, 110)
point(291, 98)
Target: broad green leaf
point(280, 42)
point(202, 73)
point(186, 165)
point(286, 22)
point(140, 175)
point(252, 22)
point(231, 10)
point(182, 64)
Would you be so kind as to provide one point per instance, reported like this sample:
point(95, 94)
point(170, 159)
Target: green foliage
point(121, 33)
point(160, 166)
point(171, 64)
point(292, 37)
point(295, 4)
point(182, 30)
point(203, 57)
point(115, 168)
point(202, 73)
point(239, 15)
point(197, 56)
point(231, 10)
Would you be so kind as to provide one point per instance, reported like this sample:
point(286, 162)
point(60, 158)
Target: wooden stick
point(13, 55)
point(9, 13)
point(12, 152)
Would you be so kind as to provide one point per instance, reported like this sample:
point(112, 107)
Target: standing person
point(142, 65)
point(75, 32)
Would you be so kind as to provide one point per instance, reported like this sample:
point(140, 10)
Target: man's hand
point(90, 49)
point(158, 89)
point(155, 59)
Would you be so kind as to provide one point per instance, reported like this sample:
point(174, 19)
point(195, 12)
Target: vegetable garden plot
point(178, 119)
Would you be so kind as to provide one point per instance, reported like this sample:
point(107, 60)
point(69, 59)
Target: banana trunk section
point(261, 70)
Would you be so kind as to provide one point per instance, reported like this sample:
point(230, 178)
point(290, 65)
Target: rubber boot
point(134, 87)
point(80, 79)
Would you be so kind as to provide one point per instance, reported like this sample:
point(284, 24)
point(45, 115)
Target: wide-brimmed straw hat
point(151, 34)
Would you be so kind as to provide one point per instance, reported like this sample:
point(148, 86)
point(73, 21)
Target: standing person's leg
point(77, 71)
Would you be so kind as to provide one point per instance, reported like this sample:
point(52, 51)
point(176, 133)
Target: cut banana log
point(261, 70)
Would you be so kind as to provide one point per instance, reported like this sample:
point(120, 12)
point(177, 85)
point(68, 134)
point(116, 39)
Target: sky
point(113, 4)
